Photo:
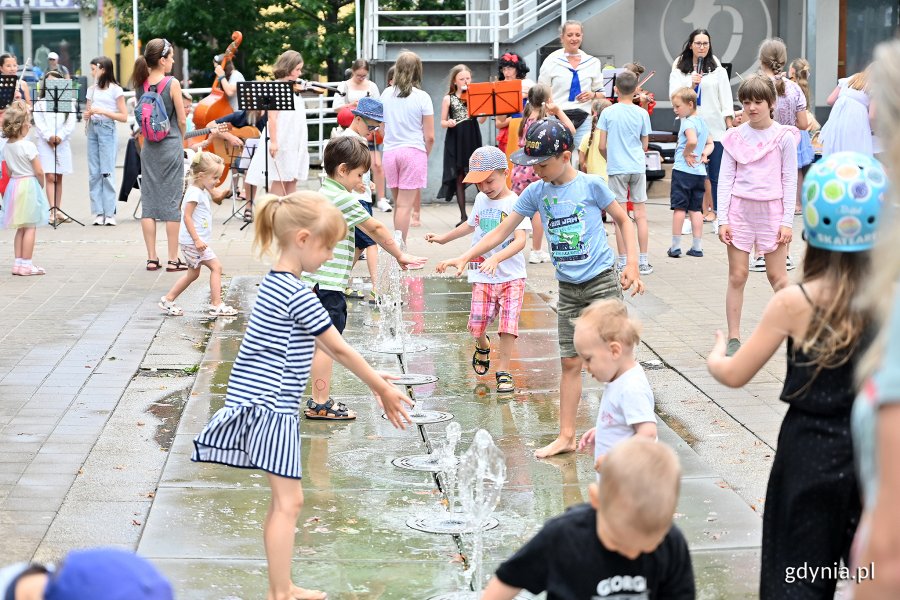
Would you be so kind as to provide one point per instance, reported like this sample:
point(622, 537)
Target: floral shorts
point(193, 257)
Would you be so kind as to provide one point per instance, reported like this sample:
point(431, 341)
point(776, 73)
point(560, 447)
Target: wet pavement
point(204, 528)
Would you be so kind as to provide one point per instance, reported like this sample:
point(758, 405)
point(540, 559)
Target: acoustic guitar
point(228, 152)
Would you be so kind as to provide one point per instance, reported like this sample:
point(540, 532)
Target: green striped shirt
point(335, 274)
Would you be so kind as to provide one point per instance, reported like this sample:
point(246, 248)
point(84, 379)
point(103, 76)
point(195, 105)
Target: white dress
point(47, 125)
point(291, 162)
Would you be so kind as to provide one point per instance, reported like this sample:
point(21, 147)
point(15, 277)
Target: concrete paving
point(92, 376)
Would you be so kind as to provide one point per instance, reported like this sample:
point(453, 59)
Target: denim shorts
point(575, 297)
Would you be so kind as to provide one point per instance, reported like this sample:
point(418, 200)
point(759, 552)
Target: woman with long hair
point(162, 162)
point(105, 106)
point(849, 126)
point(286, 130)
point(698, 68)
point(408, 137)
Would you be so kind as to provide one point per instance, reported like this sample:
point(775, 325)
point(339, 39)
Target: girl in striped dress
point(258, 427)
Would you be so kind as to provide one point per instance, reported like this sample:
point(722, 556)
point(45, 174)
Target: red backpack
point(150, 112)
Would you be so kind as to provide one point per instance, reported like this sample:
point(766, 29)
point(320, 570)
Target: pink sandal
point(28, 270)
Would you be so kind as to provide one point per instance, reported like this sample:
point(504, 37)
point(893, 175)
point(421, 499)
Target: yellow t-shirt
point(596, 164)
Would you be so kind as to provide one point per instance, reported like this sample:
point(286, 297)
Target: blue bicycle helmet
point(843, 194)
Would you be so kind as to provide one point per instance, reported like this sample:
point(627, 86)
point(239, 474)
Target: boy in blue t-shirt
point(570, 204)
point(689, 174)
point(624, 130)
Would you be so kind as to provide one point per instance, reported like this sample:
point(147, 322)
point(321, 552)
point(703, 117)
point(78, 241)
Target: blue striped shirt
point(273, 362)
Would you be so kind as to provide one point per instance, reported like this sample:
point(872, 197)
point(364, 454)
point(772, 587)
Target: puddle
point(168, 410)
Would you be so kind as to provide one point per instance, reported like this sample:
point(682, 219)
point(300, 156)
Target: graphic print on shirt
point(487, 221)
point(622, 587)
point(565, 230)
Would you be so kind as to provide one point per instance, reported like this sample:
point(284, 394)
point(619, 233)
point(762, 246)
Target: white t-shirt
point(403, 118)
point(486, 215)
point(236, 77)
point(626, 402)
point(106, 98)
point(202, 216)
point(353, 95)
point(18, 156)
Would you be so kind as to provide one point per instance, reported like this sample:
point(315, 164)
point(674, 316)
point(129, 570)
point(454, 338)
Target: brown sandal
point(153, 265)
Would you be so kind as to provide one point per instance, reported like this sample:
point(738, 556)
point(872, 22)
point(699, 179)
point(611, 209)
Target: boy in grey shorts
point(570, 204)
point(624, 130)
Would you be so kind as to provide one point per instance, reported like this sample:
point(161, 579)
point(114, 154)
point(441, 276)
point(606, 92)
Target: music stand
point(8, 85)
point(494, 98)
point(609, 82)
point(60, 97)
point(241, 156)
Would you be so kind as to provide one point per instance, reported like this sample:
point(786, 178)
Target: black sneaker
point(695, 253)
point(676, 253)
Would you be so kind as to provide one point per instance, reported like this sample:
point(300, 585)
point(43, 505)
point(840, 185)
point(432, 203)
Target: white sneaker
point(645, 269)
point(99, 220)
point(758, 265)
point(534, 257)
point(790, 263)
point(111, 221)
point(384, 205)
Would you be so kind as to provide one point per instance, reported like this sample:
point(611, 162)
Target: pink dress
point(523, 176)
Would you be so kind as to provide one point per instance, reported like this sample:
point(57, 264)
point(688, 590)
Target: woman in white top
point(288, 160)
point(53, 132)
point(698, 68)
point(105, 106)
point(360, 86)
point(408, 136)
point(575, 78)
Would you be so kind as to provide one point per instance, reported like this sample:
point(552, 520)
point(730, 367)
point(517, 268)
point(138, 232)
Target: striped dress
point(258, 428)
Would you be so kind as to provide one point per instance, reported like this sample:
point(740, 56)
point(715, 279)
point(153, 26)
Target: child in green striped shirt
point(346, 160)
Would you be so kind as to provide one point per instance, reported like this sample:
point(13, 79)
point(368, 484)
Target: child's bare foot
point(299, 593)
point(560, 445)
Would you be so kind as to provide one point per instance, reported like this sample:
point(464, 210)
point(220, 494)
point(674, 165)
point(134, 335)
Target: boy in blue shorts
point(570, 204)
point(689, 173)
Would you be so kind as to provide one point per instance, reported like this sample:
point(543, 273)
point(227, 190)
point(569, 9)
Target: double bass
point(216, 104)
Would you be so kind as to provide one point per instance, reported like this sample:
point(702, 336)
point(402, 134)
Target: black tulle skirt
point(459, 144)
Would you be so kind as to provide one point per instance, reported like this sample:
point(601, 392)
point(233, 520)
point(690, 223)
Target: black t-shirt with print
point(567, 560)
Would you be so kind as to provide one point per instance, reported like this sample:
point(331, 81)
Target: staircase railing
point(485, 21)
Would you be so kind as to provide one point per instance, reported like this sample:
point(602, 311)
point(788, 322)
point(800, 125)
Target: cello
point(216, 104)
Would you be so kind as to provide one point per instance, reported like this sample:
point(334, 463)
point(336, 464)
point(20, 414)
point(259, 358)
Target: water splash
point(482, 473)
point(391, 335)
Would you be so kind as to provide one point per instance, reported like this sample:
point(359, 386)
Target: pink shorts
point(405, 168)
point(755, 223)
point(193, 257)
point(488, 297)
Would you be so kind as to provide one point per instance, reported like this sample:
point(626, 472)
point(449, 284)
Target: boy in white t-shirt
point(498, 276)
point(605, 338)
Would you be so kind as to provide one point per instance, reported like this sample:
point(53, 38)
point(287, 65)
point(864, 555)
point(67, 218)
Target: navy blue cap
point(545, 138)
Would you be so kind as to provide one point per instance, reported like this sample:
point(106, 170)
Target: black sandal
point(329, 411)
point(153, 265)
point(175, 265)
point(505, 383)
point(480, 363)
